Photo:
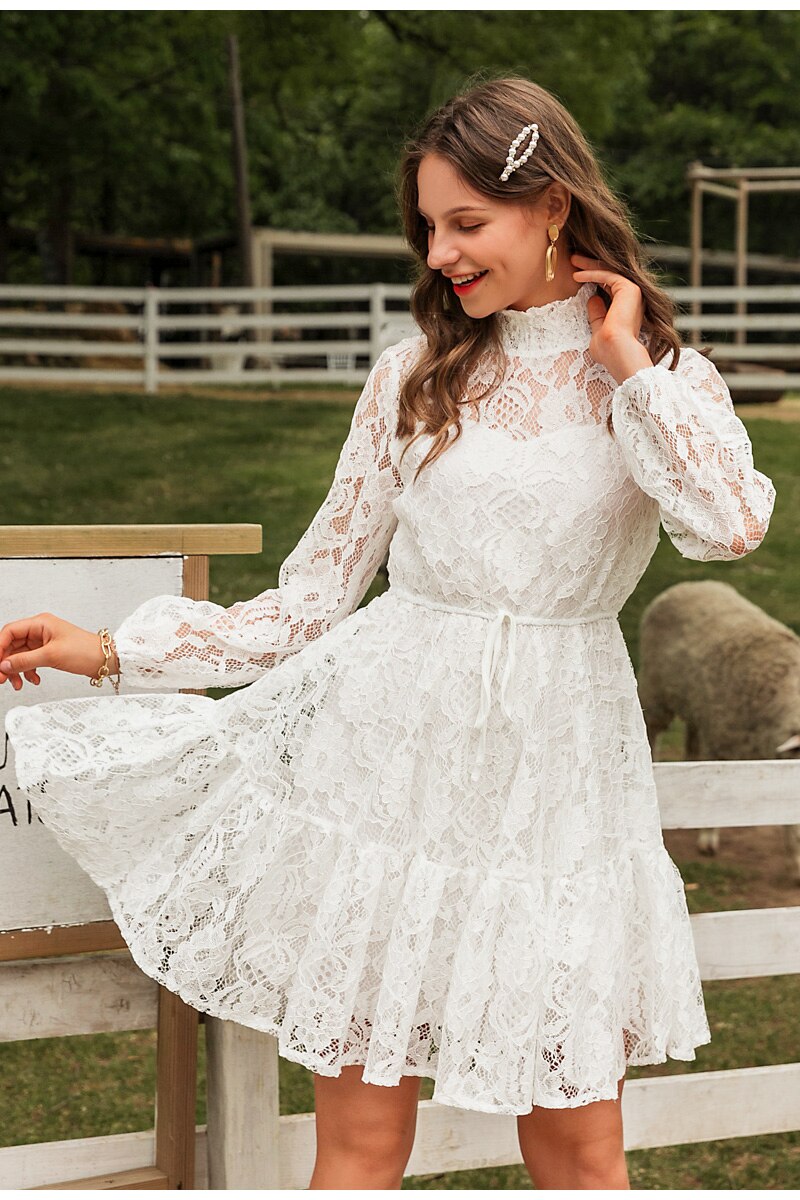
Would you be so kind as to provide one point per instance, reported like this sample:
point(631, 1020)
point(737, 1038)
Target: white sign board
point(40, 884)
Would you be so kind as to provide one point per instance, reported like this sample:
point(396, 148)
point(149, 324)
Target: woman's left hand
point(615, 332)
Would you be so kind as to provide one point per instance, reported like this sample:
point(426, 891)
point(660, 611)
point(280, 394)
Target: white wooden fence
point(248, 1144)
point(144, 327)
point(152, 337)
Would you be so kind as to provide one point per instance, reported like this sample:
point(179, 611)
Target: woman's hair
point(473, 131)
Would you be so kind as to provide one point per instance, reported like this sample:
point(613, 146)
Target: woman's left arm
point(686, 447)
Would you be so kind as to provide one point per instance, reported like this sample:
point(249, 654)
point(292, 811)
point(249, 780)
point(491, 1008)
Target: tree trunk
point(57, 241)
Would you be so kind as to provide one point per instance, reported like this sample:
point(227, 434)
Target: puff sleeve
point(685, 447)
point(176, 642)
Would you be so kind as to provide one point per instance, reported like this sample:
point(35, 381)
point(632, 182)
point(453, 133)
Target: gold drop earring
point(551, 258)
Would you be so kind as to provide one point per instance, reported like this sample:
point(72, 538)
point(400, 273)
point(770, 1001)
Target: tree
point(119, 121)
point(719, 87)
point(111, 121)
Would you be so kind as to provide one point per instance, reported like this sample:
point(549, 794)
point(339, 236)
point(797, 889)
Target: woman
point(420, 843)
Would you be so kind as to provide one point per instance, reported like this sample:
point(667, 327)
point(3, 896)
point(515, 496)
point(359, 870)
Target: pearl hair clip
point(511, 162)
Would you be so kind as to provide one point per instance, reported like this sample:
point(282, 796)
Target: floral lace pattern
point(322, 854)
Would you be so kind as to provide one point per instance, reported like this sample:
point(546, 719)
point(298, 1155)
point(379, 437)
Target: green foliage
point(718, 87)
point(113, 117)
point(119, 122)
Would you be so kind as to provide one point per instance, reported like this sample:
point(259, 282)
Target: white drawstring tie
point(489, 661)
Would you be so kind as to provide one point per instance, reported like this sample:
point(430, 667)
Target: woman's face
point(506, 241)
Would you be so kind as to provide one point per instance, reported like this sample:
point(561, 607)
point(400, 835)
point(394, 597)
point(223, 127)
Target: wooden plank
point(782, 293)
point(45, 1164)
point(195, 578)
point(293, 293)
point(57, 292)
point(723, 321)
point(288, 349)
point(195, 585)
point(750, 380)
point(758, 352)
point(59, 997)
point(774, 185)
point(706, 1106)
point(19, 944)
point(668, 1110)
point(112, 376)
point(141, 1178)
point(717, 189)
point(747, 943)
point(299, 241)
point(71, 347)
point(743, 792)
point(176, 1089)
point(703, 172)
point(294, 375)
point(17, 318)
point(121, 541)
point(243, 1130)
point(238, 321)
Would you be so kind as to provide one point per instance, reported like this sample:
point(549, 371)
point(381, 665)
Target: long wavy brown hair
point(472, 131)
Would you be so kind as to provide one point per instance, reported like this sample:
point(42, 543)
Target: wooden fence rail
point(157, 337)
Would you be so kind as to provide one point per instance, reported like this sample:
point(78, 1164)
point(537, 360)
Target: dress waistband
point(491, 650)
point(397, 589)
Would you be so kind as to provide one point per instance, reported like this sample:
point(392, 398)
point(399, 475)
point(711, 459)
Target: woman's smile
point(470, 285)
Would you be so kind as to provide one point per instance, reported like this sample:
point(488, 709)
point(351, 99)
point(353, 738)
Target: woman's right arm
point(176, 642)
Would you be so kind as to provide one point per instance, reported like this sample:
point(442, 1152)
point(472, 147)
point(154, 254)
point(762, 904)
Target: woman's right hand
point(48, 641)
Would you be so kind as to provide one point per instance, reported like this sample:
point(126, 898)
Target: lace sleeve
point(687, 449)
point(174, 641)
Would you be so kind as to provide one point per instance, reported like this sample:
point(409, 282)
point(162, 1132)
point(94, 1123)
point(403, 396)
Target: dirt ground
point(759, 853)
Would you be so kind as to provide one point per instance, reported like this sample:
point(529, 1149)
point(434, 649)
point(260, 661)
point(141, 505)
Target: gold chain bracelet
point(108, 647)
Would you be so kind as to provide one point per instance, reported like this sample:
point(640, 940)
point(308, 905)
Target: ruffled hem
point(361, 1056)
point(426, 1070)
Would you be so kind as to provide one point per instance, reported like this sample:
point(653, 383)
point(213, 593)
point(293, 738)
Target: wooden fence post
point(151, 339)
point(377, 310)
point(243, 1113)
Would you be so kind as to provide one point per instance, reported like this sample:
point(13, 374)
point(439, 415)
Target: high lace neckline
point(558, 323)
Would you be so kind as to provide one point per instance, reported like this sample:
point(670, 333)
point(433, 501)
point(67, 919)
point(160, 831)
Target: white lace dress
point(425, 838)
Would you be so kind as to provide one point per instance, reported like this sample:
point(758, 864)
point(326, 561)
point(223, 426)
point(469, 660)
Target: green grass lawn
point(125, 458)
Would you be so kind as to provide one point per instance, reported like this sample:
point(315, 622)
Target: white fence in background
point(155, 337)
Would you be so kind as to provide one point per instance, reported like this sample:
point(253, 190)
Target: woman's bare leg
point(575, 1147)
point(365, 1132)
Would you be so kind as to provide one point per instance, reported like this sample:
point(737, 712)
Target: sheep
point(730, 672)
